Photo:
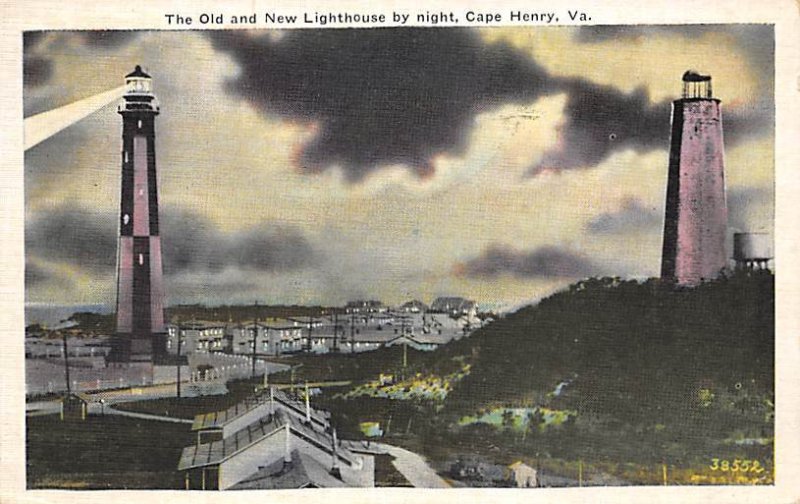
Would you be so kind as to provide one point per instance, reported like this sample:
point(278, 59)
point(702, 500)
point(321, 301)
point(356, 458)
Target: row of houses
point(273, 441)
point(38, 348)
point(345, 333)
point(454, 306)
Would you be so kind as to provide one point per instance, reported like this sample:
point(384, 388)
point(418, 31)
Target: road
point(414, 467)
point(110, 397)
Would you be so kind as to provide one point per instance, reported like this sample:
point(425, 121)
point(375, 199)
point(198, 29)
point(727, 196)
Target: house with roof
point(196, 336)
point(455, 306)
point(273, 441)
point(414, 306)
point(422, 342)
point(75, 406)
point(222, 424)
point(273, 337)
point(521, 475)
point(365, 306)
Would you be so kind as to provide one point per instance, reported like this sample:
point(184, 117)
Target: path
point(140, 393)
point(110, 397)
point(144, 416)
point(414, 467)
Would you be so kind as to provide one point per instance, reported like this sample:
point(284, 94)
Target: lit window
point(126, 219)
point(140, 124)
point(141, 259)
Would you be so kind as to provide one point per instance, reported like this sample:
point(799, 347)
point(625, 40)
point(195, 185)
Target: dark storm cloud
point(631, 217)
point(379, 96)
point(36, 70)
point(276, 249)
point(108, 39)
point(37, 67)
point(755, 41)
point(542, 262)
point(194, 245)
point(88, 240)
point(602, 119)
point(34, 275)
point(73, 235)
point(401, 96)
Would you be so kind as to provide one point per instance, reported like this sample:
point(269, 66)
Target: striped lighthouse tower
point(140, 334)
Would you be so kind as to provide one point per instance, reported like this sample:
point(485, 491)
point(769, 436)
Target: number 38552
point(736, 465)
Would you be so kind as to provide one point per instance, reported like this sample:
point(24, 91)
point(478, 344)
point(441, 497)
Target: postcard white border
point(19, 15)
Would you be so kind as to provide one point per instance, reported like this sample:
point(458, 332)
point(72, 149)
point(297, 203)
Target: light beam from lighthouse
point(140, 335)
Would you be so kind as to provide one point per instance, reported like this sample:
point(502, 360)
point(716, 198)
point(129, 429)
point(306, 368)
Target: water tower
point(752, 251)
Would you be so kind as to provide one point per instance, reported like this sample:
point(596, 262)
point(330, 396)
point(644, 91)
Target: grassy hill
point(608, 371)
point(628, 347)
point(640, 372)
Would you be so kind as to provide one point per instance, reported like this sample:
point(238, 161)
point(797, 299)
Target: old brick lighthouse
point(140, 335)
point(696, 220)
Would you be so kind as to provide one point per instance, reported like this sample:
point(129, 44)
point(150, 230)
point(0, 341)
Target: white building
point(196, 336)
point(273, 442)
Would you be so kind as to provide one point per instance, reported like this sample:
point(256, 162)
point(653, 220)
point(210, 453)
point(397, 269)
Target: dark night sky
point(319, 165)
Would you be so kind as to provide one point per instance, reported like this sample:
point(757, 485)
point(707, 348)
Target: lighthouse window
point(140, 124)
point(141, 259)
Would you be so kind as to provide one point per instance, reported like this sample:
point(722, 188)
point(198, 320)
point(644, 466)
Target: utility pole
point(405, 344)
point(291, 374)
point(178, 360)
point(310, 331)
point(255, 337)
point(66, 363)
point(352, 332)
point(335, 330)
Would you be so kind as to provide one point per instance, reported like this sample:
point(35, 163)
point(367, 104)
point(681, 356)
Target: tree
point(508, 418)
point(535, 419)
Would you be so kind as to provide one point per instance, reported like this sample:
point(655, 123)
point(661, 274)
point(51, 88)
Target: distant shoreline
point(49, 315)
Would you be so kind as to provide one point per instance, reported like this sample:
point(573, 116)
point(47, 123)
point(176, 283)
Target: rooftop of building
point(218, 419)
point(302, 471)
point(197, 325)
point(216, 452)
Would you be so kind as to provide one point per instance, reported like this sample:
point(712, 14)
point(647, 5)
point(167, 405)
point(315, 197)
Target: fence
point(44, 377)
